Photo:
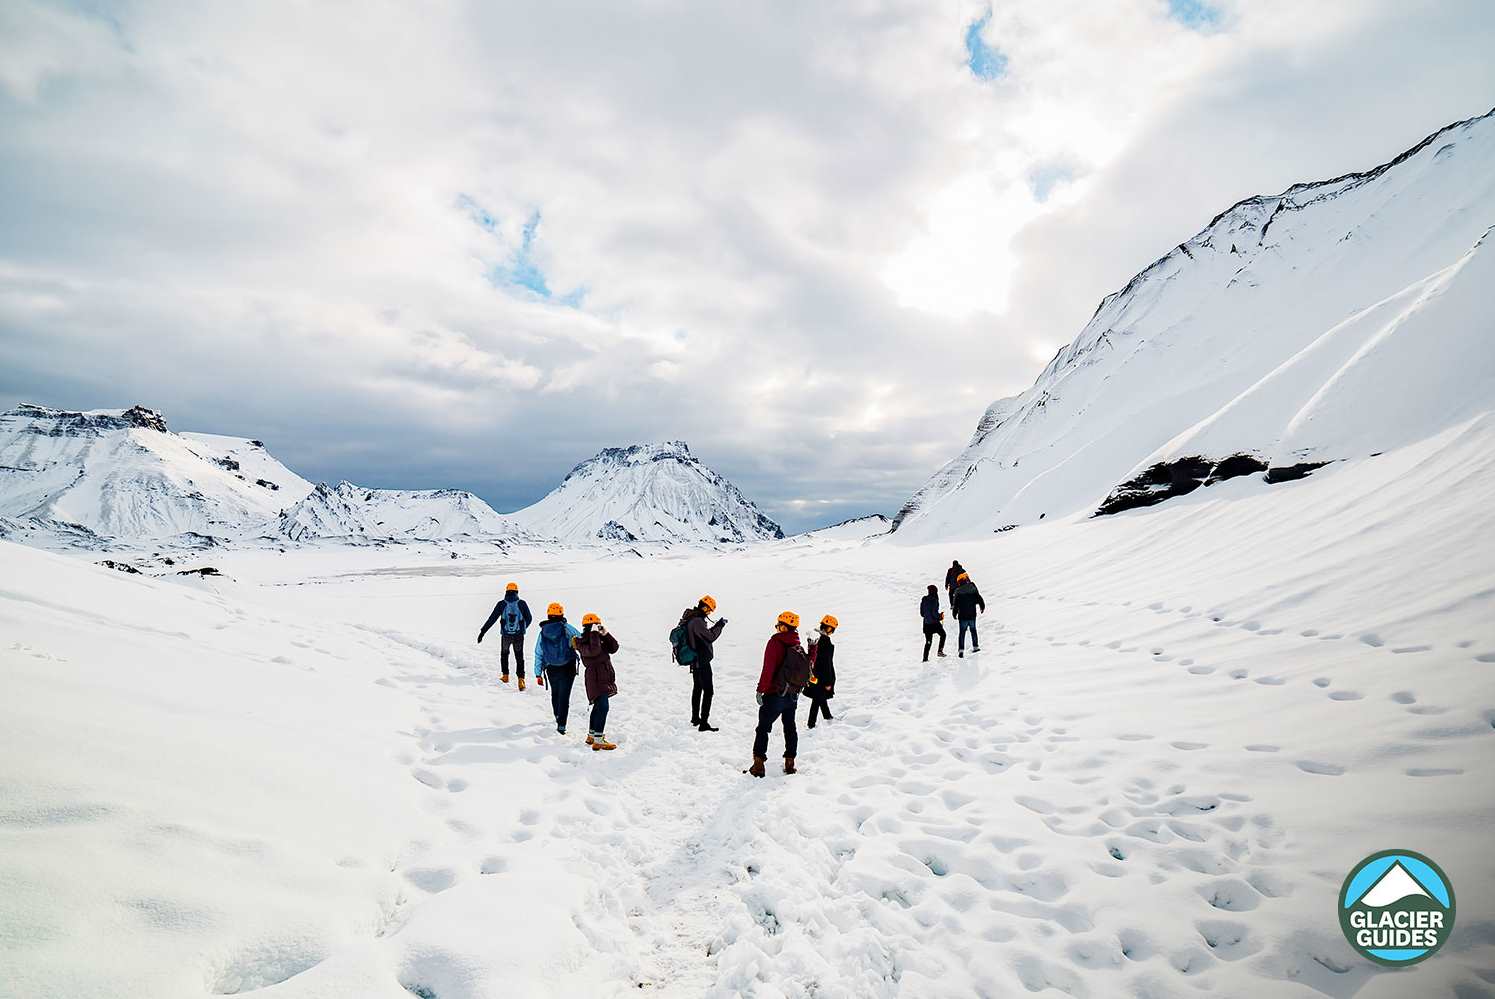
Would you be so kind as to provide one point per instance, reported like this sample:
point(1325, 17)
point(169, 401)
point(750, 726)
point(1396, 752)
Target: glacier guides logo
point(1396, 908)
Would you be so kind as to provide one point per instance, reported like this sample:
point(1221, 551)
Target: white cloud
point(807, 236)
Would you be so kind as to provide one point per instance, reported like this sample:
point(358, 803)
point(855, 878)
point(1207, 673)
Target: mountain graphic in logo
point(1396, 908)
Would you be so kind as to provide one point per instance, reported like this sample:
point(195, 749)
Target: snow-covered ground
point(1185, 726)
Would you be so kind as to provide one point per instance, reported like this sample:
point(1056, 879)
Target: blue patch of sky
point(520, 270)
point(985, 62)
point(1197, 14)
point(1044, 179)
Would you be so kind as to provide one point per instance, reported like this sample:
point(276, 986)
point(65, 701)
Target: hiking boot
point(757, 768)
point(560, 730)
point(504, 678)
point(706, 726)
point(521, 683)
point(590, 739)
point(695, 723)
point(603, 744)
point(789, 765)
point(943, 656)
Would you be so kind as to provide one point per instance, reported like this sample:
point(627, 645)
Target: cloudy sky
point(471, 244)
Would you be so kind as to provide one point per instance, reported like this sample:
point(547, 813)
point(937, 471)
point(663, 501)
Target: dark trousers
point(598, 723)
point(516, 643)
point(818, 704)
point(559, 679)
point(700, 693)
point(930, 630)
point(968, 624)
point(777, 706)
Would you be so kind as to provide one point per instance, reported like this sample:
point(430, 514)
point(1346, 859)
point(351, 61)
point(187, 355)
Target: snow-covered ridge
point(1329, 322)
point(354, 513)
point(647, 493)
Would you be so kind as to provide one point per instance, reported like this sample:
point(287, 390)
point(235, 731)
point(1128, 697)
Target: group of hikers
point(789, 667)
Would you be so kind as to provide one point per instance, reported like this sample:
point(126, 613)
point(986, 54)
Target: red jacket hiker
point(773, 655)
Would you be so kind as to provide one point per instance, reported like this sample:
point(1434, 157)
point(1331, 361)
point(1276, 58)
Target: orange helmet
point(963, 577)
point(555, 610)
point(790, 618)
point(587, 619)
point(511, 588)
point(829, 621)
point(709, 602)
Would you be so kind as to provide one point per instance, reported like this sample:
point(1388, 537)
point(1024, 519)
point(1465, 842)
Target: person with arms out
point(786, 670)
point(513, 617)
point(822, 685)
point(595, 645)
point(967, 599)
point(934, 620)
point(555, 662)
point(693, 641)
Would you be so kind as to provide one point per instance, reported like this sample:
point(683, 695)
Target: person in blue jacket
point(513, 617)
point(555, 662)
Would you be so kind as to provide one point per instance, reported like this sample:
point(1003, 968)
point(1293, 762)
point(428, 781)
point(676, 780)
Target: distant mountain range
point(103, 478)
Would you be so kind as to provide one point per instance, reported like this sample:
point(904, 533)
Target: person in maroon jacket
point(595, 646)
point(786, 668)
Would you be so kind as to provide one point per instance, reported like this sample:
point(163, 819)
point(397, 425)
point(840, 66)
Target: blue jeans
point(559, 679)
point(968, 625)
point(776, 707)
point(599, 715)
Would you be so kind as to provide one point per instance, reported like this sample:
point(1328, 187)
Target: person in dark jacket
point(555, 662)
point(967, 599)
point(596, 647)
point(934, 620)
point(776, 699)
point(822, 686)
point(514, 617)
point(951, 575)
point(702, 636)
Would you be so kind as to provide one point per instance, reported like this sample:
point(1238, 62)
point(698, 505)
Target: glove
point(829, 691)
point(540, 678)
point(480, 638)
point(723, 622)
point(760, 700)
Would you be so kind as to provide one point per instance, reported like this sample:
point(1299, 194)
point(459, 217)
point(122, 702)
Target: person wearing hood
point(595, 645)
point(700, 637)
point(555, 662)
point(934, 620)
point(786, 670)
point(967, 599)
point(514, 618)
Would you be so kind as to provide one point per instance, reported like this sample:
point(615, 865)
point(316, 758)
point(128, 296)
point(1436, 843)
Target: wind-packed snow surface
point(649, 493)
point(1328, 323)
point(1185, 726)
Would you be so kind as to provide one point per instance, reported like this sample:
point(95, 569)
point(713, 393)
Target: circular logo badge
point(1396, 908)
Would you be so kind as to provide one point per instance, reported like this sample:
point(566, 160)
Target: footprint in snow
point(1317, 767)
point(1346, 695)
point(1271, 681)
point(1402, 650)
point(1435, 771)
point(1189, 746)
point(1372, 639)
point(1262, 747)
point(1321, 681)
point(1201, 670)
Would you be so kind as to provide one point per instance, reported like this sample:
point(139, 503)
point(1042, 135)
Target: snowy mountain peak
point(1334, 320)
point(348, 512)
point(63, 422)
point(647, 492)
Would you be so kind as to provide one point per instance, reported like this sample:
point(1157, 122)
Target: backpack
point(554, 649)
point(794, 668)
point(513, 619)
point(680, 646)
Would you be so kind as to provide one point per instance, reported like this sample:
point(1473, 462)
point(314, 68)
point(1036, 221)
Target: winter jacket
point(967, 599)
point(553, 646)
point(773, 656)
point(596, 652)
point(822, 668)
point(950, 574)
point(498, 610)
point(700, 635)
point(929, 608)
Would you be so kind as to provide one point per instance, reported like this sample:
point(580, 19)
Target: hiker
point(822, 685)
point(596, 648)
point(692, 641)
point(514, 617)
point(951, 575)
point(555, 662)
point(786, 670)
point(967, 599)
point(934, 620)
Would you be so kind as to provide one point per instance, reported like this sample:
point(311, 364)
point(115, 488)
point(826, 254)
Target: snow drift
point(651, 493)
point(1326, 323)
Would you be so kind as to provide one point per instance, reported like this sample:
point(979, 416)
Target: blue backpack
point(513, 619)
point(554, 649)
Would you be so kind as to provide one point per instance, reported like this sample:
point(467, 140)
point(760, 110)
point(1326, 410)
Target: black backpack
point(794, 669)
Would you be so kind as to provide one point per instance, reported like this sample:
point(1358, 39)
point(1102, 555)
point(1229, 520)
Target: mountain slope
point(648, 492)
point(348, 512)
point(1326, 323)
point(123, 474)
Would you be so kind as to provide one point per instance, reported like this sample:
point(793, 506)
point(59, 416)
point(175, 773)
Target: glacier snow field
point(1185, 725)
